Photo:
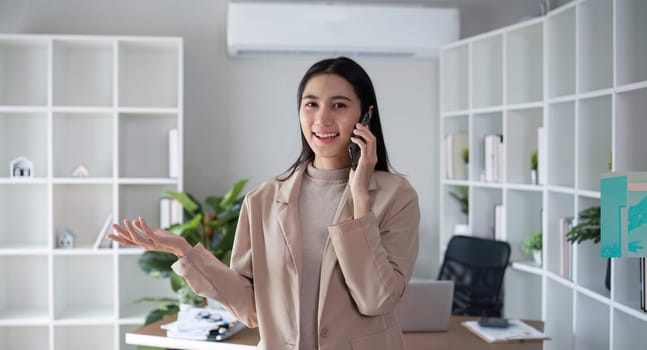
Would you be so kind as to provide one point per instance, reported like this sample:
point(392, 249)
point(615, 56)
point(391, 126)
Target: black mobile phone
point(494, 322)
point(353, 149)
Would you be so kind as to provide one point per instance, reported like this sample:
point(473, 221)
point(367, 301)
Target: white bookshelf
point(579, 73)
point(107, 103)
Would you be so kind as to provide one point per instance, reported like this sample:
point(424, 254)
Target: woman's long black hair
point(354, 74)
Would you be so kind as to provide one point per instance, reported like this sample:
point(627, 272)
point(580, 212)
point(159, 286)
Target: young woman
point(322, 254)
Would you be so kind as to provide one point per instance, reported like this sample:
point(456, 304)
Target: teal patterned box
point(623, 207)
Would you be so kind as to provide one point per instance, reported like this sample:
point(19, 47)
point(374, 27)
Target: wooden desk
point(456, 338)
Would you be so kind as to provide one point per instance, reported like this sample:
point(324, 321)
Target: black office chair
point(476, 265)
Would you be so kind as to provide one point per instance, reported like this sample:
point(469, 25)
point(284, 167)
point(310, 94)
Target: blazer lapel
point(287, 199)
point(329, 259)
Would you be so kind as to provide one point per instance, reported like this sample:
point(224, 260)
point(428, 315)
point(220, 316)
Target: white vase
point(462, 229)
point(536, 255)
point(533, 177)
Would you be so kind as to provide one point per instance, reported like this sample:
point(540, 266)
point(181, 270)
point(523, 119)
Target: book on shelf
point(623, 207)
point(541, 156)
point(517, 331)
point(565, 248)
point(493, 158)
point(499, 222)
point(102, 241)
point(455, 145)
point(173, 161)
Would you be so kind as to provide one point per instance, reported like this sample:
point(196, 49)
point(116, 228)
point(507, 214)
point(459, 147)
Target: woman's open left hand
point(149, 238)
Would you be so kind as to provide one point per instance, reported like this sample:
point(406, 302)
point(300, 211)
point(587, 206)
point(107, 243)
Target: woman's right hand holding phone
point(149, 238)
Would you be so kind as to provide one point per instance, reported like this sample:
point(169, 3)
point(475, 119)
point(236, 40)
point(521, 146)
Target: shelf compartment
point(452, 214)
point(525, 301)
point(149, 74)
point(630, 124)
point(83, 209)
point(81, 337)
point(594, 141)
point(135, 284)
point(591, 268)
point(122, 337)
point(595, 45)
point(24, 338)
point(625, 281)
point(83, 139)
point(455, 79)
point(560, 205)
point(18, 229)
point(631, 47)
point(145, 159)
point(142, 200)
point(83, 73)
point(591, 324)
point(523, 218)
point(487, 70)
point(520, 141)
point(23, 72)
point(559, 316)
point(561, 144)
point(524, 64)
point(561, 53)
point(628, 331)
point(483, 202)
point(93, 302)
point(483, 125)
point(25, 302)
point(23, 135)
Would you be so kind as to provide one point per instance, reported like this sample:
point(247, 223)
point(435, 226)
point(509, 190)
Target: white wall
point(241, 114)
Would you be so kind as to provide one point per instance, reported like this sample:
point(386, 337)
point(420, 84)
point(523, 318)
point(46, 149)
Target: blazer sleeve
point(232, 286)
point(377, 262)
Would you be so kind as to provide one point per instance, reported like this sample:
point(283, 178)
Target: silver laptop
point(426, 306)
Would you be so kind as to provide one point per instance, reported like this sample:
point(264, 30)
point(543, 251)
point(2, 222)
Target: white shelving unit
point(107, 103)
point(580, 73)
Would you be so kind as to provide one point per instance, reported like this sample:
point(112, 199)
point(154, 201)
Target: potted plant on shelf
point(462, 196)
point(466, 162)
point(588, 228)
point(532, 245)
point(533, 167)
point(214, 230)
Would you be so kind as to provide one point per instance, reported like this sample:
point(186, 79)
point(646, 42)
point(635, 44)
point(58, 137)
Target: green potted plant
point(588, 229)
point(462, 196)
point(532, 245)
point(215, 230)
point(466, 161)
point(534, 165)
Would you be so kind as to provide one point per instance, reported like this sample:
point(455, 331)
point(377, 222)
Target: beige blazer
point(365, 266)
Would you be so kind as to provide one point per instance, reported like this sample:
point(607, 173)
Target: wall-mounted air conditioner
point(332, 28)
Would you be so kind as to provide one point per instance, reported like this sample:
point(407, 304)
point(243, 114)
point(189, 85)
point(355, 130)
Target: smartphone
point(494, 322)
point(353, 149)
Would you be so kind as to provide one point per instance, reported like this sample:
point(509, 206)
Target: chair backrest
point(477, 266)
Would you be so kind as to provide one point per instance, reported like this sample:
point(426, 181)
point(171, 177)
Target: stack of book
point(493, 158)
point(455, 145)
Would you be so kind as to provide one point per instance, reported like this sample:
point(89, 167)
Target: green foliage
point(466, 155)
point(462, 196)
point(532, 243)
point(214, 229)
point(533, 160)
point(588, 227)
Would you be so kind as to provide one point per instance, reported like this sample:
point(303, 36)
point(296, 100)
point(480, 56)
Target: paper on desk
point(517, 331)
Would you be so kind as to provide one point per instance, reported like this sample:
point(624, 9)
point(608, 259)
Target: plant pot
point(462, 229)
point(533, 177)
point(536, 256)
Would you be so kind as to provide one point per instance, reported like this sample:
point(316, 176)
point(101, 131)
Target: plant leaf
point(157, 264)
point(230, 197)
point(190, 205)
point(177, 282)
point(161, 312)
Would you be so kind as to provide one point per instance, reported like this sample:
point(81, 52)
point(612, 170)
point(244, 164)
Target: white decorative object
point(101, 241)
point(80, 171)
point(173, 161)
point(21, 167)
point(66, 240)
point(462, 229)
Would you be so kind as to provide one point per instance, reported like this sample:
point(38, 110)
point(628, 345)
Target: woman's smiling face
point(328, 113)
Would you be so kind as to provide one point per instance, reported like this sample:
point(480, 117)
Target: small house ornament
point(65, 240)
point(21, 167)
point(80, 171)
